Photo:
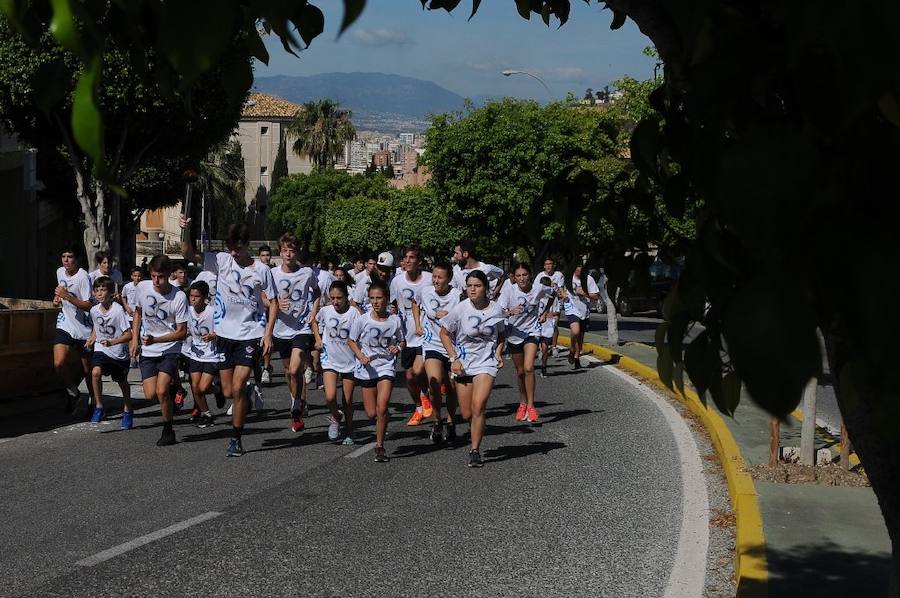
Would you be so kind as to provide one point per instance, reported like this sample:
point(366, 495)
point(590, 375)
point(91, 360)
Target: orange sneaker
point(521, 412)
point(416, 418)
point(427, 409)
point(531, 415)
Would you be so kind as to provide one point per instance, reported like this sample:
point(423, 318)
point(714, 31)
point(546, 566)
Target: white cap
point(386, 259)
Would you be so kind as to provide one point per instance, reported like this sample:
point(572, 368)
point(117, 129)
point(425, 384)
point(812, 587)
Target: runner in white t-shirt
point(109, 337)
point(473, 336)
point(362, 279)
point(331, 329)
point(550, 306)
point(464, 256)
point(158, 328)
point(522, 304)
point(557, 280)
point(576, 302)
point(376, 338)
point(297, 295)
point(73, 324)
point(325, 278)
point(129, 290)
point(436, 302)
point(104, 268)
point(406, 290)
point(241, 319)
point(200, 350)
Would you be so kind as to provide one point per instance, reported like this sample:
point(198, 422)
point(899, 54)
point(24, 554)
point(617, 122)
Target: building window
point(263, 170)
point(263, 130)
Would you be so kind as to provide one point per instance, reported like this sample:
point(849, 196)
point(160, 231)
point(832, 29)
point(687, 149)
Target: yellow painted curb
point(750, 564)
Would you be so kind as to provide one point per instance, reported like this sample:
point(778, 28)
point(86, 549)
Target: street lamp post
point(507, 73)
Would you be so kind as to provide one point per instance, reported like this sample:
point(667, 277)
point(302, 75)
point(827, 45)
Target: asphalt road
point(587, 503)
point(642, 329)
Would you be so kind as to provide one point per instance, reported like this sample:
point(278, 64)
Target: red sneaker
point(297, 423)
point(531, 415)
point(427, 409)
point(521, 412)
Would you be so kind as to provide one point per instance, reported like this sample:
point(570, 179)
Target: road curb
point(750, 564)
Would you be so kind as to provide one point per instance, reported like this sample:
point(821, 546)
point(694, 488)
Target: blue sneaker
point(97, 416)
point(234, 448)
point(127, 420)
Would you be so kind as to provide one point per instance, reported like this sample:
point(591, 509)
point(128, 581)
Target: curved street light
point(507, 73)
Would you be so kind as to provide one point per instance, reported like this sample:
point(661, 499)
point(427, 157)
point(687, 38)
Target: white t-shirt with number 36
point(476, 333)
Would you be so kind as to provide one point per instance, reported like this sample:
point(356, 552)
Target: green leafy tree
point(301, 200)
point(415, 215)
point(280, 167)
point(356, 224)
point(321, 131)
point(145, 163)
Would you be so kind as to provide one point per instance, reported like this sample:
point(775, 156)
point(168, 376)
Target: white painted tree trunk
point(612, 322)
point(92, 199)
point(808, 429)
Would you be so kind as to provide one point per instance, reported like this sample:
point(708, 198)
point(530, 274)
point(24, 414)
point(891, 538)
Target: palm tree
point(322, 130)
point(220, 178)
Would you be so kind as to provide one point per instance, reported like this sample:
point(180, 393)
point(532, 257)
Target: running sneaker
point(258, 402)
point(450, 433)
point(72, 395)
point(206, 420)
point(437, 432)
point(265, 378)
point(180, 395)
point(554, 352)
point(97, 415)
point(416, 418)
point(380, 455)
point(576, 365)
point(308, 375)
point(348, 441)
point(532, 415)
point(520, 412)
point(427, 409)
point(195, 414)
point(234, 448)
point(297, 423)
point(127, 420)
point(475, 459)
point(167, 438)
point(334, 428)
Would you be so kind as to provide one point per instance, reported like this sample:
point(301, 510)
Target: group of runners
point(448, 328)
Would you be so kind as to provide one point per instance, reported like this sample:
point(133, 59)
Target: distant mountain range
point(381, 102)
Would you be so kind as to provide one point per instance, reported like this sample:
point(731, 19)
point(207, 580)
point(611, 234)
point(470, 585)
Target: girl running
point(331, 329)
point(376, 338)
point(473, 336)
point(577, 306)
point(200, 349)
point(521, 302)
point(437, 301)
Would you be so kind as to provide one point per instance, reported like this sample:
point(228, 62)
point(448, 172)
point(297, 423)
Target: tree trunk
point(612, 322)
point(774, 441)
point(879, 452)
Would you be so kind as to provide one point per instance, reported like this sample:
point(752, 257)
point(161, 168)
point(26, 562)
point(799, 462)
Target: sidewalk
point(819, 539)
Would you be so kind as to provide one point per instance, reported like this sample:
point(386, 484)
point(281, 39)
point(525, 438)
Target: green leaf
point(890, 107)
point(51, 84)
point(731, 387)
point(618, 19)
point(256, 46)
point(661, 332)
point(770, 331)
point(524, 8)
point(645, 146)
point(64, 28)
point(194, 34)
point(87, 124)
point(475, 5)
point(695, 363)
point(352, 10)
point(664, 365)
point(310, 23)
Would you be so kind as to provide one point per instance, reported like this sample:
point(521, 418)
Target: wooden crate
point(27, 328)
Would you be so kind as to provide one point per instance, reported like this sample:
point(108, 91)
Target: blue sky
point(467, 57)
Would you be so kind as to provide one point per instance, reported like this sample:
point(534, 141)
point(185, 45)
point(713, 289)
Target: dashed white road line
point(115, 551)
point(688, 575)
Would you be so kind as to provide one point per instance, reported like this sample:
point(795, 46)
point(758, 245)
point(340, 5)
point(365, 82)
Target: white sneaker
point(334, 427)
point(554, 352)
point(308, 375)
point(266, 377)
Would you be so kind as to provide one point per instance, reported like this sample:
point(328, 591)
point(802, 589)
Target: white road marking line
point(147, 539)
point(360, 451)
point(688, 574)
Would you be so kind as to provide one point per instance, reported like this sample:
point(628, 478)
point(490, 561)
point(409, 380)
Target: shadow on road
point(519, 451)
